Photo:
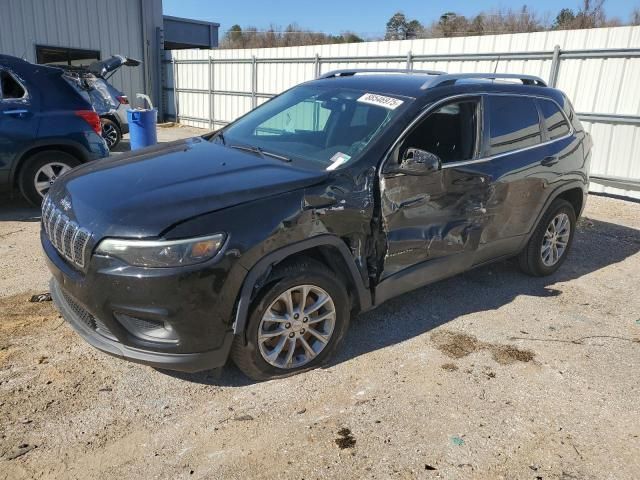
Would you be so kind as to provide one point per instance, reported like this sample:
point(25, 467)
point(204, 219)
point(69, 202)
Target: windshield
point(327, 126)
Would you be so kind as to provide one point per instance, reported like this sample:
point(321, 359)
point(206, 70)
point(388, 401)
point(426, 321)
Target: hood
point(111, 64)
point(143, 193)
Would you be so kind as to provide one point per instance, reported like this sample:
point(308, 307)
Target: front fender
point(263, 266)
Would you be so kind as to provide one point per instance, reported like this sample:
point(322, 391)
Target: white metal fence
point(599, 69)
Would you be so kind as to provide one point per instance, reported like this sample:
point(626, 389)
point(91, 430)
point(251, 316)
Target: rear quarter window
point(513, 124)
point(554, 121)
point(10, 88)
point(571, 114)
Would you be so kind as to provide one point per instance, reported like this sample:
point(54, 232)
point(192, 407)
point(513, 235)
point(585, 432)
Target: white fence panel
point(599, 69)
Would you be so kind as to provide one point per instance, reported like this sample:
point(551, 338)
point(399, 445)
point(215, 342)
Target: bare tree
point(590, 14)
point(292, 35)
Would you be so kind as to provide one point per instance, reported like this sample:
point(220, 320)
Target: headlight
point(162, 253)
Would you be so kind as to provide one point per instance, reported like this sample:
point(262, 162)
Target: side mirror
point(419, 162)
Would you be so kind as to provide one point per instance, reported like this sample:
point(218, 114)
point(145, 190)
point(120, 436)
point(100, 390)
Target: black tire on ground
point(302, 272)
point(530, 259)
point(28, 172)
point(111, 133)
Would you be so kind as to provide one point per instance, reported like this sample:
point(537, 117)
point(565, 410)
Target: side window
point(554, 121)
point(9, 87)
point(451, 132)
point(514, 124)
point(304, 116)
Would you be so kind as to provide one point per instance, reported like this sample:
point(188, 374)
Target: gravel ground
point(490, 374)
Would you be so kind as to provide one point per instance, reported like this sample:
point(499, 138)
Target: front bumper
point(120, 309)
point(184, 362)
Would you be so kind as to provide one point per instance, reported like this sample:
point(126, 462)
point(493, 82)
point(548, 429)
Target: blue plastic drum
point(142, 128)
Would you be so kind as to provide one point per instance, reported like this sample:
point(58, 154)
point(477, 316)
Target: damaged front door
point(433, 219)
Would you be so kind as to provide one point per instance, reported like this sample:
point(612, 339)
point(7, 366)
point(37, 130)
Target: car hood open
point(143, 193)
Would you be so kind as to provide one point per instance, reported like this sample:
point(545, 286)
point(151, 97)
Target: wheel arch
point(114, 118)
point(67, 147)
point(575, 196)
point(575, 193)
point(329, 249)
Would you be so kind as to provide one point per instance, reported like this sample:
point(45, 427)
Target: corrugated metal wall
point(112, 27)
point(596, 85)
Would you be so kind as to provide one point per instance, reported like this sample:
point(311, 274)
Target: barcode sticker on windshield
point(380, 101)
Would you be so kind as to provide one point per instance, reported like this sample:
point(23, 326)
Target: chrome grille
point(68, 238)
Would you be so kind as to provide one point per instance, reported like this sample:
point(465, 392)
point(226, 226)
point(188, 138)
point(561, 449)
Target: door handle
point(549, 161)
point(15, 112)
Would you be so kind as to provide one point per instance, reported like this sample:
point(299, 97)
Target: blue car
point(47, 127)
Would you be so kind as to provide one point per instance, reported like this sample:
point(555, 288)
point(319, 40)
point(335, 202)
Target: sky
point(365, 17)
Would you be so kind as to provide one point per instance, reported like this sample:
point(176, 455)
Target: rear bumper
point(96, 147)
point(185, 362)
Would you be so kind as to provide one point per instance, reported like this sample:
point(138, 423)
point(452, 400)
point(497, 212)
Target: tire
point(532, 258)
point(111, 133)
point(251, 358)
point(35, 172)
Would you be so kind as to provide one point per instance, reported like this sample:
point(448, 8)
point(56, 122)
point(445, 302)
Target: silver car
point(110, 103)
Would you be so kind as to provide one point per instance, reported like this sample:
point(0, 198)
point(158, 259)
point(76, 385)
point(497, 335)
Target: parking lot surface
point(490, 374)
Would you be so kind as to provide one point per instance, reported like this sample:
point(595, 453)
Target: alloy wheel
point(110, 134)
point(47, 174)
point(556, 239)
point(296, 327)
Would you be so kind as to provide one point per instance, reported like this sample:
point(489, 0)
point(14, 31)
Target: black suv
point(261, 240)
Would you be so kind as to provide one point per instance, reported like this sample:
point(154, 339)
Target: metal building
point(78, 32)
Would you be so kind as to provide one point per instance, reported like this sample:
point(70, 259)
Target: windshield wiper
point(263, 153)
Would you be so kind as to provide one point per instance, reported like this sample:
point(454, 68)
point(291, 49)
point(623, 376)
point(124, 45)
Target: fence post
point(254, 82)
point(317, 65)
point(159, 96)
point(555, 66)
point(409, 60)
point(210, 93)
point(175, 88)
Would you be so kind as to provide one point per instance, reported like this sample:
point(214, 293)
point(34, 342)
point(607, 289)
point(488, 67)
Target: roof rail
point(353, 71)
point(452, 78)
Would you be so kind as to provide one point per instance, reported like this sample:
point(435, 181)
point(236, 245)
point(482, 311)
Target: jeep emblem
point(65, 203)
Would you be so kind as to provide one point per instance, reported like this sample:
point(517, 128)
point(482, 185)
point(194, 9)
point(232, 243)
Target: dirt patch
point(459, 345)
point(455, 345)
point(4, 353)
point(346, 439)
point(507, 354)
point(19, 317)
point(18, 313)
point(449, 367)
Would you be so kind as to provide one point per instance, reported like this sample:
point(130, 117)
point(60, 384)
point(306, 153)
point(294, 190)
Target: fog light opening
point(146, 329)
